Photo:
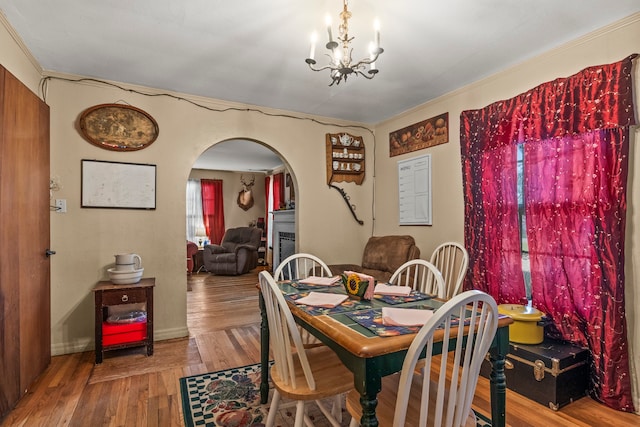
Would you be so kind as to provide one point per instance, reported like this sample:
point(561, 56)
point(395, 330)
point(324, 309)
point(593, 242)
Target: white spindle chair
point(300, 266)
point(440, 393)
point(452, 259)
point(300, 374)
point(420, 275)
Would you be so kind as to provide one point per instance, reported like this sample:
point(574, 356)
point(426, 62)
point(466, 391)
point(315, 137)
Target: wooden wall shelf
point(345, 158)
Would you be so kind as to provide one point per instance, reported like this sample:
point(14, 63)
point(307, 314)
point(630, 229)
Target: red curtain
point(213, 209)
point(278, 190)
point(491, 226)
point(575, 133)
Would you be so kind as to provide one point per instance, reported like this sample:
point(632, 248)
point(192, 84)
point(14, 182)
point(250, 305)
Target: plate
point(118, 127)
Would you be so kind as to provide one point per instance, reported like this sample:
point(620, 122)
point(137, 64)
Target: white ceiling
point(253, 51)
point(238, 155)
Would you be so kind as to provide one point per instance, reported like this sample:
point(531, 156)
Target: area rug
point(232, 398)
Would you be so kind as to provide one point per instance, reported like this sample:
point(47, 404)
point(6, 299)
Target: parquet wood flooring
point(131, 390)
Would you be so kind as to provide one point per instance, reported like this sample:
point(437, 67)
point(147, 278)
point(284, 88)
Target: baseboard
point(88, 344)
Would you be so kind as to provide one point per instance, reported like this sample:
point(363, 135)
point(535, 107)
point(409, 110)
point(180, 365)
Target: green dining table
point(371, 357)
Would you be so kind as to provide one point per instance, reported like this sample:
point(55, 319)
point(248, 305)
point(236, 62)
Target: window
point(195, 225)
point(522, 222)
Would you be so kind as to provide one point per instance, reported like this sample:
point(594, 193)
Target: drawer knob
point(125, 298)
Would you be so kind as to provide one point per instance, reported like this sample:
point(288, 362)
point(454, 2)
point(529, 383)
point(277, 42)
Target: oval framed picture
point(118, 127)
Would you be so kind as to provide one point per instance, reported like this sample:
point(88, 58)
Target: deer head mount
point(245, 196)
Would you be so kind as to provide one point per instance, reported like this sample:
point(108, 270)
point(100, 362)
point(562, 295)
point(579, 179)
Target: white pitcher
point(128, 262)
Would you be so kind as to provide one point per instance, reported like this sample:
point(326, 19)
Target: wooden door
point(25, 320)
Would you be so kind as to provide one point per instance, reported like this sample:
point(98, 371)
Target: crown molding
point(16, 37)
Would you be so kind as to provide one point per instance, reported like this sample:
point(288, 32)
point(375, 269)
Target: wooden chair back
point(301, 266)
point(421, 275)
point(285, 341)
point(454, 394)
point(452, 259)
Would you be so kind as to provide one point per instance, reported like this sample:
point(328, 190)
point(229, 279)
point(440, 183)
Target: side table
point(198, 261)
point(109, 294)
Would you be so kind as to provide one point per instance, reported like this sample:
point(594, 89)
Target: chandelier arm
point(368, 61)
point(326, 67)
point(368, 77)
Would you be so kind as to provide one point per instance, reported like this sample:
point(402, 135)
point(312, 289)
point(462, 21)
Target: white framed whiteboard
point(414, 191)
point(118, 185)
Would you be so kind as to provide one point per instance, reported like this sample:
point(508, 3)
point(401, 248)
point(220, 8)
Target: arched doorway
point(238, 162)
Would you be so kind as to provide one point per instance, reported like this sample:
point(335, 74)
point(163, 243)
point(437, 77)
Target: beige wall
point(87, 239)
point(234, 216)
point(608, 45)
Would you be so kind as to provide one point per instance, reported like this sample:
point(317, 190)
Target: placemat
point(349, 305)
point(306, 286)
point(372, 320)
point(397, 299)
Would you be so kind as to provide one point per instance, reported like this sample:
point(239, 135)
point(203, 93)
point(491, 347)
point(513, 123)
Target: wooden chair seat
point(331, 376)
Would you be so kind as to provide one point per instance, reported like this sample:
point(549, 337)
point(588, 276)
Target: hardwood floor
point(130, 389)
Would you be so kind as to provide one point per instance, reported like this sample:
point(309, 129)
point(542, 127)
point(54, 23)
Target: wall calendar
point(414, 192)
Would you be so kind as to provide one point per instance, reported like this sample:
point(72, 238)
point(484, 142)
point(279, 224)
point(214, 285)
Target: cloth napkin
point(368, 295)
point(385, 289)
point(322, 299)
point(392, 316)
point(315, 280)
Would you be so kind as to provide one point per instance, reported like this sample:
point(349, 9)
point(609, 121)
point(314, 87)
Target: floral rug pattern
point(231, 398)
point(224, 398)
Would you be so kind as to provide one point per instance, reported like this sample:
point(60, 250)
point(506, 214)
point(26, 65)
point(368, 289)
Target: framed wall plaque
point(425, 134)
point(118, 127)
point(118, 185)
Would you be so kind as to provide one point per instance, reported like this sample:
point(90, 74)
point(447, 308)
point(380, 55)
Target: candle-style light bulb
point(376, 27)
point(314, 39)
point(372, 55)
point(327, 20)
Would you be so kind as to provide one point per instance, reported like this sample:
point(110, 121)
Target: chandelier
point(341, 66)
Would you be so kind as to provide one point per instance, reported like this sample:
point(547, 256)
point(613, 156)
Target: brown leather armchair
point(382, 256)
point(236, 254)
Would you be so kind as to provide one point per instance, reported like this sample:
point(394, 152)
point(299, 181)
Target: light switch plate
point(61, 205)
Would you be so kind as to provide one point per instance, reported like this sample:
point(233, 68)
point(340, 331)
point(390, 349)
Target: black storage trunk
point(552, 373)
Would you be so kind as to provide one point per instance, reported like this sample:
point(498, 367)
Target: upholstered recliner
point(236, 254)
point(382, 256)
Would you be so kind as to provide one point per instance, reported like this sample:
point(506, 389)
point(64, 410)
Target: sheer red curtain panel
point(213, 209)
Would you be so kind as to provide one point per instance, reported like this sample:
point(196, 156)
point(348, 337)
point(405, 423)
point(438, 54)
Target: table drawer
point(127, 296)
